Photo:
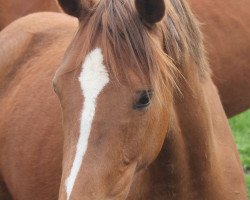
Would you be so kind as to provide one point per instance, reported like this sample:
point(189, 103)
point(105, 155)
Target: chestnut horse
point(141, 117)
point(228, 53)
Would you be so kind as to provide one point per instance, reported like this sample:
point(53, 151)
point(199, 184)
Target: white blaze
point(93, 79)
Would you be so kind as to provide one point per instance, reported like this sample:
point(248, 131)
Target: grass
point(241, 130)
point(248, 185)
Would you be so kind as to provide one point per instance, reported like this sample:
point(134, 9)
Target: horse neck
point(185, 166)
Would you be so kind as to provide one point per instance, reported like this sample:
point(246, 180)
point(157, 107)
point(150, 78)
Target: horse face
point(113, 129)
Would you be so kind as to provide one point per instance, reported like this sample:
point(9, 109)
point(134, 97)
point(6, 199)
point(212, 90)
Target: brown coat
point(11, 10)
point(198, 160)
point(226, 29)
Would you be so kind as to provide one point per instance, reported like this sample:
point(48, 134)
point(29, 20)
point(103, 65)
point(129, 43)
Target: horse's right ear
point(76, 8)
point(151, 11)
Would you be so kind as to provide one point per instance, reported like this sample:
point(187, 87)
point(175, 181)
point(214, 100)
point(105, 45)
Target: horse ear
point(71, 7)
point(152, 11)
point(76, 8)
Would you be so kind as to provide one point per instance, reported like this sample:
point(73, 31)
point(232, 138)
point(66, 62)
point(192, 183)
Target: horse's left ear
point(76, 8)
point(152, 11)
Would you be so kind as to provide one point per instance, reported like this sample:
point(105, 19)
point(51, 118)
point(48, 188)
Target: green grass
point(248, 185)
point(241, 130)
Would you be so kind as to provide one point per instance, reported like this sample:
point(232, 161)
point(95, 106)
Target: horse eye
point(143, 99)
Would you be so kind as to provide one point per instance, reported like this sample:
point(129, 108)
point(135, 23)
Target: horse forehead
point(94, 75)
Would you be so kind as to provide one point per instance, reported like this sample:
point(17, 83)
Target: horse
point(11, 10)
point(230, 73)
point(141, 116)
point(226, 30)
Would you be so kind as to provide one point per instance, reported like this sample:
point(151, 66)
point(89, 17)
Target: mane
point(128, 42)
